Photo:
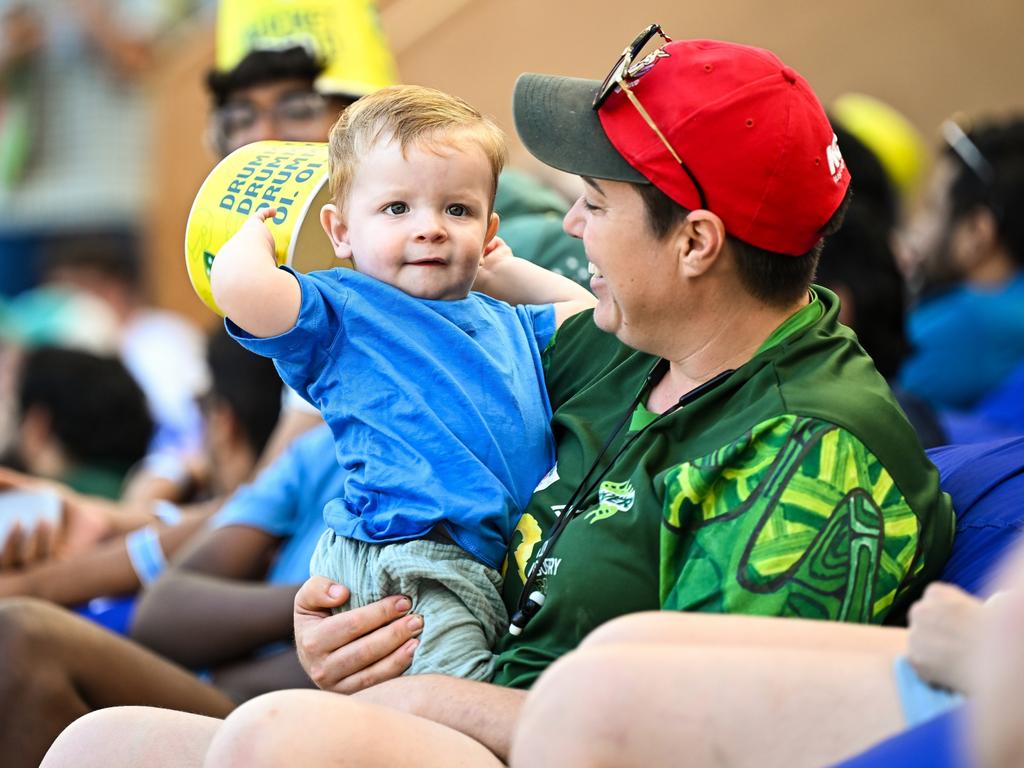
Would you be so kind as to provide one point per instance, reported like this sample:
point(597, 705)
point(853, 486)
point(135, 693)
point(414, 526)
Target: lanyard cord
point(586, 487)
point(583, 490)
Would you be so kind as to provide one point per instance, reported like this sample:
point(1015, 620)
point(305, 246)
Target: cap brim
point(556, 121)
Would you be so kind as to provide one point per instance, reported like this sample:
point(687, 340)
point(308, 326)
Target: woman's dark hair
point(97, 411)
point(771, 277)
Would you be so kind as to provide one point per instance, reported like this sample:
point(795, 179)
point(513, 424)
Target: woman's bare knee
point(572, 712)
point(130, 736)
point(266, 730)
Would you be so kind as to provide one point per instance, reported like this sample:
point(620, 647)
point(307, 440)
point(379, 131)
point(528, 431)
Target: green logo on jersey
point(612, 498)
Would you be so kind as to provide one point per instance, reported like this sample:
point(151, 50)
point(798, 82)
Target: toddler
point(434, 393)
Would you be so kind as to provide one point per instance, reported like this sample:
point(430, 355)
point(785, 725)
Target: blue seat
point(935, 744)
point(1005, 406)
point(986, 483)
point(113, 613)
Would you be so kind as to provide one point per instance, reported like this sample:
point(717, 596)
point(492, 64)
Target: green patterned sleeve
point(795, 518)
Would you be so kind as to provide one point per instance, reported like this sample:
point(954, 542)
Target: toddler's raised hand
point(247, 285)
point(254, 235)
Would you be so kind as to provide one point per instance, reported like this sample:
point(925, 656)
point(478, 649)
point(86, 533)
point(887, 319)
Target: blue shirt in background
point(287, 499)
point(439, 411)
point(965, 343)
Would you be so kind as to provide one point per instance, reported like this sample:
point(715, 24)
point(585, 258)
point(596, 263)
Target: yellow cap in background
point(897, 144)
point(345, 34)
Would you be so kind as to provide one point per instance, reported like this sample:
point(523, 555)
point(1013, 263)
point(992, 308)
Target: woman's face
point(633, 273)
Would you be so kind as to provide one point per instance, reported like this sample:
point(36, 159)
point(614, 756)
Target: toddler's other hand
point(495, 254)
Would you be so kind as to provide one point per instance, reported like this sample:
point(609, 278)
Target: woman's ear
point(699, 241)
point(337, 231)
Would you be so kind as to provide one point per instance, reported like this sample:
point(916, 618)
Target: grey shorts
point(458, 597)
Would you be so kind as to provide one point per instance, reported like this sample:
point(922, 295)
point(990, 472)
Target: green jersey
point(795, 487)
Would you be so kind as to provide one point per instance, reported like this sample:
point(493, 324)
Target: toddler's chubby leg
point(460, 601)
point(458, 597)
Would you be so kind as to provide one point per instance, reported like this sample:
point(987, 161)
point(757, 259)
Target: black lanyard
point(530, 600)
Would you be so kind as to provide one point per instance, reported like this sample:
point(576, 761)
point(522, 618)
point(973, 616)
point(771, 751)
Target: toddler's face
point(419, 222)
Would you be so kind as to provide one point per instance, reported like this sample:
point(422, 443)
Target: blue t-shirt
point(287, 499)
point(965, 343)
point(439, 411)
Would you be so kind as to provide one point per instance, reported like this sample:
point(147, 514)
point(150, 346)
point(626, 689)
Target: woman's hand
point(350, 651)
point(943, 636)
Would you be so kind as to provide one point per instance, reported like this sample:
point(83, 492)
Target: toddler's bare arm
point(504, 276)
point(247, 285)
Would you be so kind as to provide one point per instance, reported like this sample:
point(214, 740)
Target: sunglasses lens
point(609, 82)
point(643, 38)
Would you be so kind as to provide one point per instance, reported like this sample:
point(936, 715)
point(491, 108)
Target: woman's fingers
point(379, 655)
point(351, 650)
point(388, 668)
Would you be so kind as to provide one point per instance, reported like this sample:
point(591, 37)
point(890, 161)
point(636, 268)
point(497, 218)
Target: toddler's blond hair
point(413, 116)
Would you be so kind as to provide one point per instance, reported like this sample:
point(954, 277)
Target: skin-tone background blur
point(927, 58)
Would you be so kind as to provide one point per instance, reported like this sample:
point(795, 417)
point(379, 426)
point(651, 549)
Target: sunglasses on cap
point(619, 78)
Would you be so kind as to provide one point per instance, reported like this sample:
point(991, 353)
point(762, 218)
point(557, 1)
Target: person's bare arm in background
point(212, 606)
point(105, 569)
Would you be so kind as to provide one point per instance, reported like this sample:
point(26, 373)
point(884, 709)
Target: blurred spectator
point(858, 263)
point(164, 352)
point(967, 245)
point(241, 410)
point(271, 95)
point(90, 299)
point(82, 420)
point(239, 413)
point(890, 137)
point(73, 137)
point(95, 557)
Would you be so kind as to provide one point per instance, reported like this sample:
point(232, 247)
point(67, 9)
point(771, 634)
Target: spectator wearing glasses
point(269, 94)
point(966, 244)
point(762, 466)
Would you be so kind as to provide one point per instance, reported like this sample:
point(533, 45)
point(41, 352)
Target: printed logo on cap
point(836, 164)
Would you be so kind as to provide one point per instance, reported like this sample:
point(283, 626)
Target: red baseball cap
point(749, 128)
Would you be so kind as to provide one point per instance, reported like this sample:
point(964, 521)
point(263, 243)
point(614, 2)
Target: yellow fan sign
point(290, 176)
point(345, 34)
